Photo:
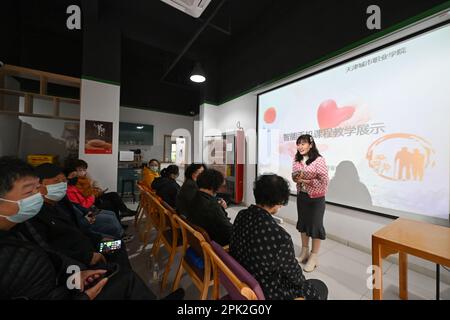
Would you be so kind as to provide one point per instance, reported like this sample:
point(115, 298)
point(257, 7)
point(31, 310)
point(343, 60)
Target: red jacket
point(317, 173)
point(75, 196)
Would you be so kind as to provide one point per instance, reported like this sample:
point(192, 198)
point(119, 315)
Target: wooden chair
point(142, 204)
point(192, 239)
point(238, 282)
point(168, 236)
point(149, 218)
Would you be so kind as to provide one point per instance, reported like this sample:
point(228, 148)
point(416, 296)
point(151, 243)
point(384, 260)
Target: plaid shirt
point(317, 173)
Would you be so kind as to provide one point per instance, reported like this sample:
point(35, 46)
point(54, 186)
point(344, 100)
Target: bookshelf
point(9, 97)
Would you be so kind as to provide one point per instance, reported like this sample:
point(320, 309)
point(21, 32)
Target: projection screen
point(381, 121)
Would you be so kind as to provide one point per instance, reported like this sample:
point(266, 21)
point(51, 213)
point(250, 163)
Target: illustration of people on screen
point(404, 160)
point(410, 164)
point(401, 157)
point(418, 165)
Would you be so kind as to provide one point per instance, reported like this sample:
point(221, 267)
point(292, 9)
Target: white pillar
point(101, 102)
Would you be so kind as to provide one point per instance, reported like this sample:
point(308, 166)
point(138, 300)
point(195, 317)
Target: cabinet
point(226, 153)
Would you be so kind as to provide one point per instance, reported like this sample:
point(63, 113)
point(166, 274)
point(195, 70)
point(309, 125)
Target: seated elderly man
point(57, 224)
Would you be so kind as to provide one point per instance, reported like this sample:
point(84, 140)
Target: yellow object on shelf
point(38, 159)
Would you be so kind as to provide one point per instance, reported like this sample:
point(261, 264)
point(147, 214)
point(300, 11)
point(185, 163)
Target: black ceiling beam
point(212, 25)
point(191, 41)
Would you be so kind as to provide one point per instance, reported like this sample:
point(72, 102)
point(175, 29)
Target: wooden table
point(404, 236)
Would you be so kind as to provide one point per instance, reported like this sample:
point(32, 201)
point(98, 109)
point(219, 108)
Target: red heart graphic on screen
point(330, 116)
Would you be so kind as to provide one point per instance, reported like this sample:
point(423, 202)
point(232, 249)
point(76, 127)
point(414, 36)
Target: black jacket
point(187, 193)
point(167, 189)
point(207, 213)
point(30, 272)
point(57, 226)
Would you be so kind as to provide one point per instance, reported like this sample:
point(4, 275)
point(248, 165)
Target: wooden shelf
point(44, 77)
point(38, 95)
point(25, 114)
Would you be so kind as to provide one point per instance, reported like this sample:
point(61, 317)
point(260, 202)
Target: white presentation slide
point(381, 121)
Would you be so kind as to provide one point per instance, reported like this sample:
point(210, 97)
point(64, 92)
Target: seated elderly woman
point(151, 172)
point(266, 250)
point(99, 221)
point(88, 187)
point(189, 188)
point(166, 185)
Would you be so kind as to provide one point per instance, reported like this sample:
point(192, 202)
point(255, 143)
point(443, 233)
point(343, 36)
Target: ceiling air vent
point(192, 7)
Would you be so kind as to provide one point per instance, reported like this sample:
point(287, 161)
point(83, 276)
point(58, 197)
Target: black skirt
point(310, 216)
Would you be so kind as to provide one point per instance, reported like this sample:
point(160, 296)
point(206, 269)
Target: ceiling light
point(197, 74)
point(140, 127)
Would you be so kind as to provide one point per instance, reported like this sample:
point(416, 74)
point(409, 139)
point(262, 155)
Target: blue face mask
point(28, 208)
point(57, 191)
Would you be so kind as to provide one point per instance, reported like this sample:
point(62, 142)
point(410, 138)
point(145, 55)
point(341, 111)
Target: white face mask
point(57, 191)
point(154, 168)
point(28, 208)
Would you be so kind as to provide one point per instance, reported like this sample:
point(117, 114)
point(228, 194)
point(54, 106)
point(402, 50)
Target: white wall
point(163, 124)
point(101, 101)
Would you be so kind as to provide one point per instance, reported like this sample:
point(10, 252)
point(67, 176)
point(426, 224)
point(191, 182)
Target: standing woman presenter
point(310, 173)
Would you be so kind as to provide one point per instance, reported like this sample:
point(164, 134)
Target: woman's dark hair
point(68, 170)
point(11, 170)
point(172, 169)
point(313, 153)
point(192, 168)
point(210, 179)
point(80, 164)
point(156, 160)
point(271, 190)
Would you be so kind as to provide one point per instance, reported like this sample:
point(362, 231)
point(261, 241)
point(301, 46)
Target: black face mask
point(72, 181)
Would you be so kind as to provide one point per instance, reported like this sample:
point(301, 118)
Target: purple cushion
point(239, 271)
